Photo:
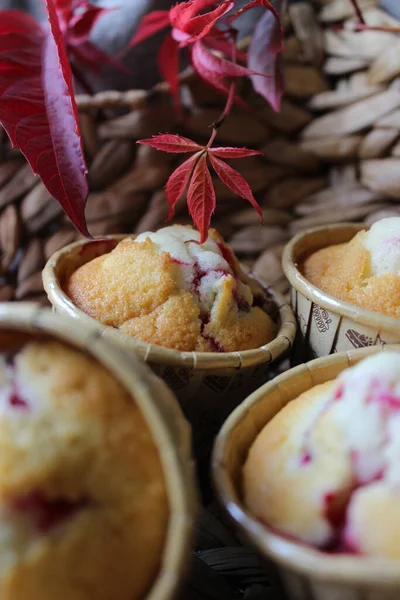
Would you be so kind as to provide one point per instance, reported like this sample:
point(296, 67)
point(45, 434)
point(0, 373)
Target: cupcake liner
point(327, 324)
point(169, 428)
point(307, 574)
point(207, 385)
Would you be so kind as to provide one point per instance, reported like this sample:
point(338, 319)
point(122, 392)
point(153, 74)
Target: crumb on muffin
point(167, 289)
point(83, 506)
point(326, 469)
point(364, 271)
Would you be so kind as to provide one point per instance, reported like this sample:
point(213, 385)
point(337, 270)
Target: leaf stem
point(232, 92)
point(358, 11)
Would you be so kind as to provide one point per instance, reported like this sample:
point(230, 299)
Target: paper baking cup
point(326, 324)
point(164, 418)
point(208, 385)
point(307, 573)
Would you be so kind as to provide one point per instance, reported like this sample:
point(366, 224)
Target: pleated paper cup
point(208, 385)
point(169, 429)
point(307, 574)
point(327, 324)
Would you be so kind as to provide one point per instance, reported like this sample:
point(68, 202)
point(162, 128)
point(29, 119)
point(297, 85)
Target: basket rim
point(167, 356)
point(321, 298)
point(163, 416)
point(287, 553)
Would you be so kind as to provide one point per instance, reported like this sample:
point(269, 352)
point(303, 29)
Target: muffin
point(325, 470)
point(364, 271)
point(168, 289)
point(83, 506)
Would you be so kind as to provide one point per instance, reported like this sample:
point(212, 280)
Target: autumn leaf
point(171, 143)
point(233, 152)
point(234, 181)
point(150, 24)
point(38, 109)
point(193, 174)
point(264, 57)
point(178, 181)
point(201, 198)
point(185, 19)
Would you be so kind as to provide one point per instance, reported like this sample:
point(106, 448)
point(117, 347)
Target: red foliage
point(200, 32)
point(194, 172)
point(38, 109)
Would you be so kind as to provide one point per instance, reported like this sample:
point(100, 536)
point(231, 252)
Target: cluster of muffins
point(83, 503)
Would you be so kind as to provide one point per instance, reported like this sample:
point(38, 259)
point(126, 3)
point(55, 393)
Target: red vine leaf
point(264, 57)
point(184, 18)
point(149, 25)
point(77, 19)
point(170, 142)
point(201, 197)
point(213, 78)
point(233, 152)
point(220, 67)
point(168, 63)
point(234, 181)
point(38, 109)
point(177, 183)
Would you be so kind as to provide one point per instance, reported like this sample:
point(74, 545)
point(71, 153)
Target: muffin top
point(83, 506)
point(168, 289)
point(364, 271)
point(326, 469)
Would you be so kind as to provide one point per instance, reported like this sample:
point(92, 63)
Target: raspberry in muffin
point(326, 469)
point(364, 271)
point(83, 506)
point(168, 289)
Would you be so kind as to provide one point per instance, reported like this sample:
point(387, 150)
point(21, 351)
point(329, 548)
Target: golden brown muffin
point(365, 271)
point(83, 507)
point(326, 469)
point(167, 289)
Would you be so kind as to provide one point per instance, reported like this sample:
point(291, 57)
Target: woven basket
point(159, 408)
point(307, 573)
point(303, 180)
point(327, 324)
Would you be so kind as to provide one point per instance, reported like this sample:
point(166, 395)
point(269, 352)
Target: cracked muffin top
point(83, 506)
point(168, 289)
point(364, 271)
point(326, 469)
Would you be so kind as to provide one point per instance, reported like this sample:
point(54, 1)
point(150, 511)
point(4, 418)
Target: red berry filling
point(46, 514)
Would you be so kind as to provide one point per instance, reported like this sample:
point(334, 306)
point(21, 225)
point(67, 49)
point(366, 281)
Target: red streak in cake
point(46, 514)
point(16, 401)
point(199, 273)
point(227, 254)
point(338, 393)
point(305, 458)
point(179, 262)
point(215, 344)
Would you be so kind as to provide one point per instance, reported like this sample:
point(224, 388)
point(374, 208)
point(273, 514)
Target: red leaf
point(168, 63)
point(178, 181)
point(38, 109)
point(234, 181)
point(262, 57)
point(215, 80)
point(223, 45)
point(184, 17)
point(201, 197)
point(233, 152)
point(220, 67)
point(169, 142)
point(149, 25)
point(81, 24)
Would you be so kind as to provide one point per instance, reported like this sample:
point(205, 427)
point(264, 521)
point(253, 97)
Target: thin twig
point(358, 11)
